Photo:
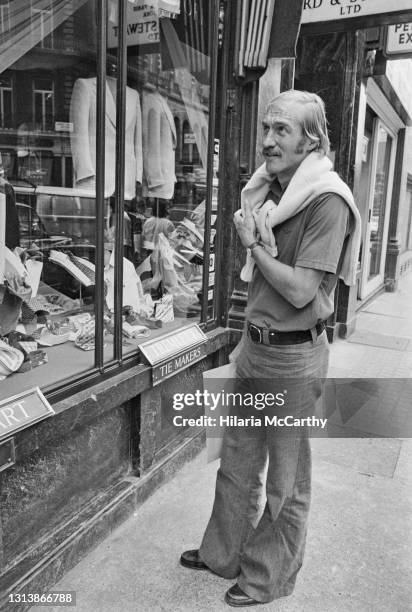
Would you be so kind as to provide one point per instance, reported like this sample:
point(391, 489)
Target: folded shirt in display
point(192, 251)
point(135, 331)
point(34, 359)
point(85, 266)
point(47, 338)
point(64, 260)
point(10, 359)
point(163, 309)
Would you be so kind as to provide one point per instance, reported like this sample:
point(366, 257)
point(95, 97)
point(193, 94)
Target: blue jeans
point(265, 549)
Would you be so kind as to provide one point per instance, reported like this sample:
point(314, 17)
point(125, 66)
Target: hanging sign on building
point(315, 11)
point(398, 41)
point(142, 26)
point(20, 411)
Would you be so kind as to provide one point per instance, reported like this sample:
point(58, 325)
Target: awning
point(268, 28)
point(285, 28)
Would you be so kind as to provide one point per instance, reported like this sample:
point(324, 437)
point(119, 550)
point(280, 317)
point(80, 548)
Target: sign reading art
point(399, 40)
point(142, 26)
point(20, 411)
point(315, 11)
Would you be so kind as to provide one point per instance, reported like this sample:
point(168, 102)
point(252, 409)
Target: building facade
point(127, 131)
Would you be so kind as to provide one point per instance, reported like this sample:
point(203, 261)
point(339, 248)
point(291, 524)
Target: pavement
point(358, 554)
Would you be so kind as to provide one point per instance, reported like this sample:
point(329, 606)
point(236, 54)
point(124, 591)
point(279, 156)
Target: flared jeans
point(258, 526)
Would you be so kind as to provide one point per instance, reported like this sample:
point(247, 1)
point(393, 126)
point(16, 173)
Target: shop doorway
point(378, 150)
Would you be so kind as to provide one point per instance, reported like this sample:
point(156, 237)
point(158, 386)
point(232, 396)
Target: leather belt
point(263, 335)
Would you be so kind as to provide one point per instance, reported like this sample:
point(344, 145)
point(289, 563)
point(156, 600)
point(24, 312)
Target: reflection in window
point(42, 21)
point(43, 103)
point(4, 18)
point(48, 103)
point(6, 104)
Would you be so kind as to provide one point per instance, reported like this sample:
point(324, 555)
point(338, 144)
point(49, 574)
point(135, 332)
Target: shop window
point(76, 221)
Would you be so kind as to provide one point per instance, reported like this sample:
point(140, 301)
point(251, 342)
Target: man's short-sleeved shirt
point(313, 238)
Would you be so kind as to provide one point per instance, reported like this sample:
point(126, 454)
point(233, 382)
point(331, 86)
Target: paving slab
point(358, 551)
point(368, 456)
point(387, 325)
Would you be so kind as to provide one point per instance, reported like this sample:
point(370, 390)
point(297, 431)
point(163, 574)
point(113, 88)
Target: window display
point(83, 136)
point(49, 138)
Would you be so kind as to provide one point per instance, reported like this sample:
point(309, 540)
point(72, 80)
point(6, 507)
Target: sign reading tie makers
point(20, 411)
point(175, 351)
point(398, 41)
point(315, 11)
point(142, 24)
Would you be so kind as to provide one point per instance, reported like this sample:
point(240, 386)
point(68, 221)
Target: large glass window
point(138, 118)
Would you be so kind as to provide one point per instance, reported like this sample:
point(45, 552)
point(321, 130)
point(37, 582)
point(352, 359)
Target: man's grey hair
point(313, 122)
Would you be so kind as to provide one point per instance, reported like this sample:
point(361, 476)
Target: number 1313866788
point(55, 598)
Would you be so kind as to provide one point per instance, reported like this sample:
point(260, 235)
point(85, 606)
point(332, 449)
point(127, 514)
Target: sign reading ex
point(398, 41)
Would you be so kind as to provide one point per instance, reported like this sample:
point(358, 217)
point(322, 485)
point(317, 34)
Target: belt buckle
point(255, 333)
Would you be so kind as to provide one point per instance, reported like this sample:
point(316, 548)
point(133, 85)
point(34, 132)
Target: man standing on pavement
point(293, 270)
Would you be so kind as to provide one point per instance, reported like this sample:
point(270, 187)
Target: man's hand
point(245, 227)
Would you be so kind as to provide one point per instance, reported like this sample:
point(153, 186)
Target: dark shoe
point(237, 598)
point(191, 559)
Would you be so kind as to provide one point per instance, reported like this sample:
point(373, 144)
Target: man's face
point(284, 145)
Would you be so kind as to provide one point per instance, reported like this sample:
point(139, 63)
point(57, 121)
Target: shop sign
point(216, 147)
point(63, 126)
point(189, 138)
point(315, 11)
point(399, 40)
point(211, 262)
point(142, 26)
point(20, 411)
point(169, 345)
point(177, 363)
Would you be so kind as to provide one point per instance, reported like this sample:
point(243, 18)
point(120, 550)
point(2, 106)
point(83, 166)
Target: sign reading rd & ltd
point(315, 11)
